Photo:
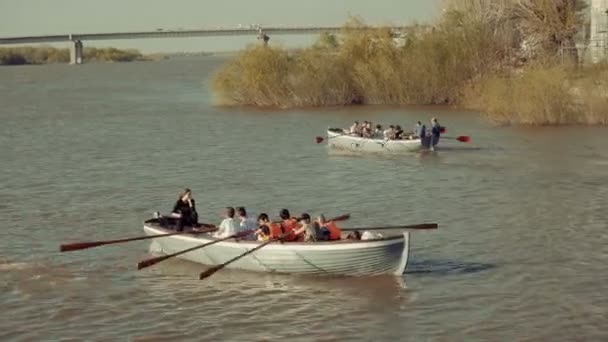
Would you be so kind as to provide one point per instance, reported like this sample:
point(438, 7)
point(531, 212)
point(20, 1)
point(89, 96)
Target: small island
point(516, 62)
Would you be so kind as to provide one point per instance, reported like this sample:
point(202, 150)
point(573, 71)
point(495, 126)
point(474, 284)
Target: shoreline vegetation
point(49, 55)
point(516, 61)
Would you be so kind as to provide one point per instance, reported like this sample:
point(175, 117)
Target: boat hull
point(344, 257)
point(340, 141)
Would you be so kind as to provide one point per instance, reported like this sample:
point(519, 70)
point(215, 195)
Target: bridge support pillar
point(76, 52)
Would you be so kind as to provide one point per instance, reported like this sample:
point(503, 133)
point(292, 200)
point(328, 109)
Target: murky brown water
point(88, 152)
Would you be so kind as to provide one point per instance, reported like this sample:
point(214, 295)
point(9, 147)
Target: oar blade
point(79, 245)
point(423, 226)
point(442, 130)
point(464, 138)
point(209, 272)
point(319, 140)
point(341, 218)
point(150, 262)
point(410, 226)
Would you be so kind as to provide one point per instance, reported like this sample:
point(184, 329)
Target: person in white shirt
point(246, 223)
point(355, 128)
point(378, 132)
point(389, 133)
point(229, 225)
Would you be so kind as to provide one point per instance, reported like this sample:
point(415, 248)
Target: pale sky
point(40, 17)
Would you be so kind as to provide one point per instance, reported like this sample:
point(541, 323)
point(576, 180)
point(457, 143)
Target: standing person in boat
point(185, 210)
point(435, 132)
point(229, 225)
point(245, 223)
point(288, 224)
point(419, 130)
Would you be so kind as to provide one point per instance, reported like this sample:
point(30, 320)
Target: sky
point(41, 17)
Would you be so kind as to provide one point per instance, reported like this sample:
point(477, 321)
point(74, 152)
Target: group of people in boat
point(236, 221)
point(395, 132)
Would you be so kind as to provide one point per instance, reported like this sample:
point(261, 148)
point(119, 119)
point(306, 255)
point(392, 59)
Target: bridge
point(76, 47)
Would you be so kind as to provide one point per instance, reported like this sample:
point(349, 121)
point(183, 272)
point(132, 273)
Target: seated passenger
point(229, 226)
point(264, 232)
point(378, 132)
point(245, 223)
point(366, 130)
point(398, 132)
point(354, 128)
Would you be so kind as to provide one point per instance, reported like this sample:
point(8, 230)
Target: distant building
point(598, 37)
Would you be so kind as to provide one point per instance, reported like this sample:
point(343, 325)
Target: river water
point(88, 152)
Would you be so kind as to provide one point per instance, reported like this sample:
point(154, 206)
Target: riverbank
point(467, 59)
point(48, 55)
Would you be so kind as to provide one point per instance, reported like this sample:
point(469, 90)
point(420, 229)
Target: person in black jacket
point(185, 210)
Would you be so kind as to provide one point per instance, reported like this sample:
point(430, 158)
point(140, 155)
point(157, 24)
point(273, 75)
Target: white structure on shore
point(598, 39)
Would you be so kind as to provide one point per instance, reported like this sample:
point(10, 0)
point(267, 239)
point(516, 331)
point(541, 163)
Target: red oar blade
point(464, 138)
point(319, 140)
point(442, 130)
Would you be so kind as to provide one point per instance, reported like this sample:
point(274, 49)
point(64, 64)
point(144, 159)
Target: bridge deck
point(175, 34)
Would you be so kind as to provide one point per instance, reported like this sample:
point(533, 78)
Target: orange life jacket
point(334, 232)
point(275, 230)
point(289, 226)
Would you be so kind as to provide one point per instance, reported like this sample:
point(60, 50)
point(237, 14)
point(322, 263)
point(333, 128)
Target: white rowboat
point(338, 139)
point(387, 255)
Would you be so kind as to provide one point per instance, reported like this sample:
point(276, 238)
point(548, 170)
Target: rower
point(288, 225)
point(306, 230)
point(267, 230)
point(185, 210)
point(229, 226)
point(329, 229)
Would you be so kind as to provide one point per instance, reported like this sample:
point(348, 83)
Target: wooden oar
point(84, 245)
point(156, 260)
point(411, 226)
point(337, 218)
point(216, 268)
point(319, 139)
